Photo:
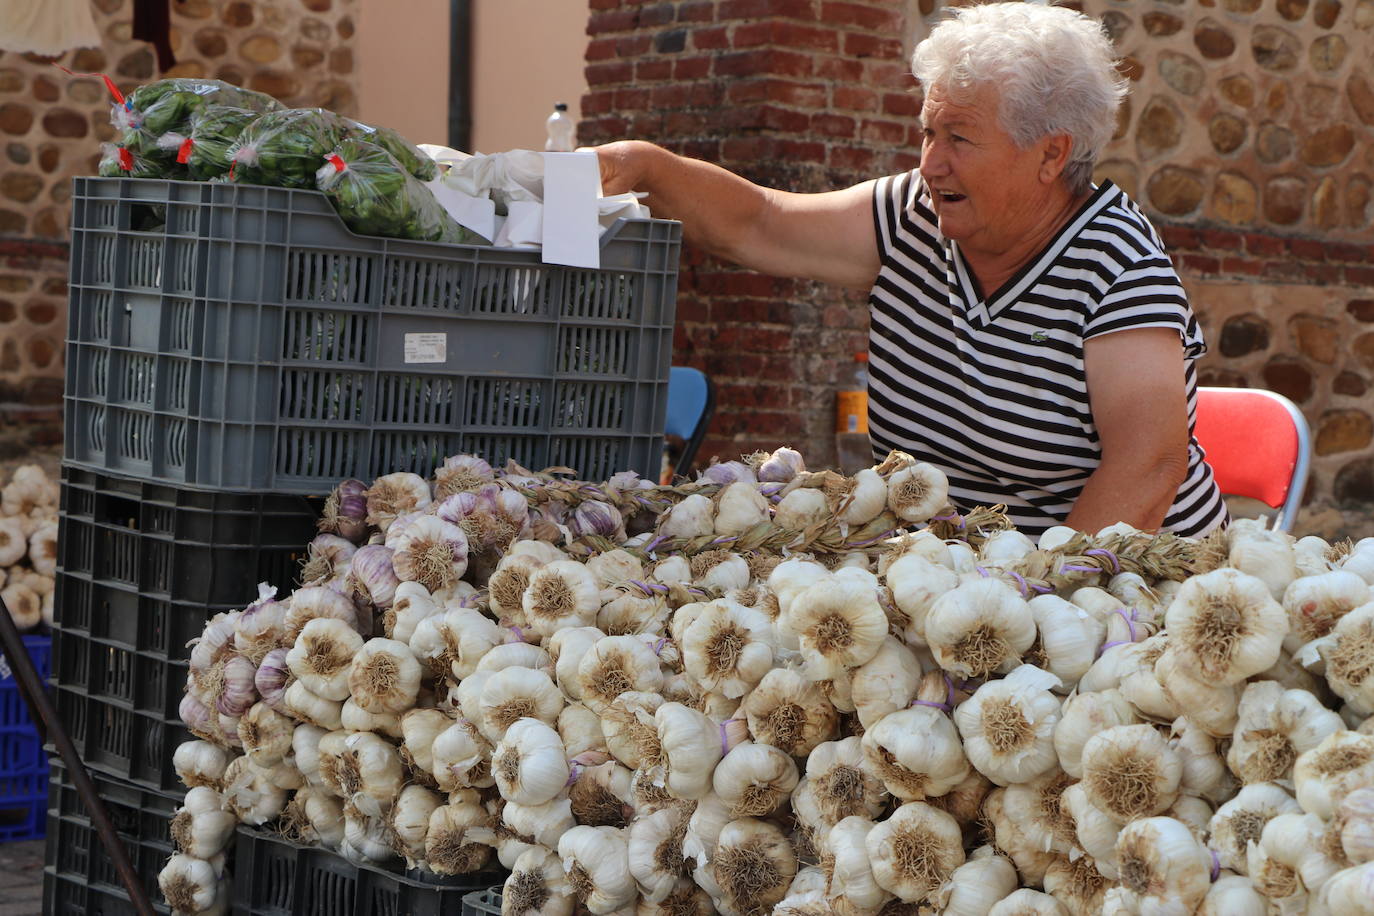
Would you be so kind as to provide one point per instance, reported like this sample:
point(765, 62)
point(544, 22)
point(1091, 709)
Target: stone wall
point(1247, 136)
point(51, 125)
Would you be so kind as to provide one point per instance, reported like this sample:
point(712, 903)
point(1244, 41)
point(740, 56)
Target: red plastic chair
point(1258, 445)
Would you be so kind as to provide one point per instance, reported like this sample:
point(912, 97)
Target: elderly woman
point(1029, 335)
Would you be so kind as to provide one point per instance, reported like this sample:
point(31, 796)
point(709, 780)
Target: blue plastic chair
point(691, 402)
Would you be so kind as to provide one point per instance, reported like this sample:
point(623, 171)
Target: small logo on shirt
point(1040, 337)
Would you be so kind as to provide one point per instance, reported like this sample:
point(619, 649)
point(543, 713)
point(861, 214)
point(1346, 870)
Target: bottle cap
point(560, 106)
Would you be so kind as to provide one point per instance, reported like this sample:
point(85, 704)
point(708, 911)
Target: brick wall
point(794, 94)
point(51, 127)
point(1246, 137)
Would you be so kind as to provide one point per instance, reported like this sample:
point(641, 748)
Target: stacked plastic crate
point(234, 352)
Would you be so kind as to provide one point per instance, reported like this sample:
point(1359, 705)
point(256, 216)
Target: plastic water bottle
point(560, 128)
point(852, 446)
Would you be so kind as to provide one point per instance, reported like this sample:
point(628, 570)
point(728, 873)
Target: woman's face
point(986, 191)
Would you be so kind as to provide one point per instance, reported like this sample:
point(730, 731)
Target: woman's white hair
point(1055, 70)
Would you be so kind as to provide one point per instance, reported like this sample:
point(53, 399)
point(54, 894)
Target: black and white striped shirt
point(993, 391)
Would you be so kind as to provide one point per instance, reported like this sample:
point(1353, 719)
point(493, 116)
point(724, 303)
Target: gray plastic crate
point(241, 337)
point(481, 902)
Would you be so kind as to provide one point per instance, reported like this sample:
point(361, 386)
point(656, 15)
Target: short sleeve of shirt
point(1147, 295)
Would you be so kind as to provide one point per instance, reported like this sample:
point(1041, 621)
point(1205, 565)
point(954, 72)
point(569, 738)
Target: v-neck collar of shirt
point(982, 310)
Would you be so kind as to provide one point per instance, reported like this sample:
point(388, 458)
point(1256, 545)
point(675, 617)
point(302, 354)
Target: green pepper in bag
point(285, 148)
point(120, 162)
point(166, 106)
point(402, 150)
point(213, 130)
point(375, 196)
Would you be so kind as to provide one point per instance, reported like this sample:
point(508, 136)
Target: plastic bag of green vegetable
point(204, 148)
point(119, 162)
point(285, 148)
point(375, 196)
point(404, 152)
point(167, 105)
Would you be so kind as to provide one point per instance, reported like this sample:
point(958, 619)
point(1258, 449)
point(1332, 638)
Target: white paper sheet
point(571, 233)
point(475, 213)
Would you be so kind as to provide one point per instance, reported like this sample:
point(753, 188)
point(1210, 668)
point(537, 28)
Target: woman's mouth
point(949, 197)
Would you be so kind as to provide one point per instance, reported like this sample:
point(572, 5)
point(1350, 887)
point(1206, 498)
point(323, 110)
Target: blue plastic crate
point(23, 764)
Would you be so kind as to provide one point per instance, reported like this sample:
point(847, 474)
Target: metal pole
point(460, 75)
point(42, 711)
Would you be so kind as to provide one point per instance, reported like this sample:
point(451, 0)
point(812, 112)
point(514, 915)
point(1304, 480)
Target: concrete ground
point(21, 878)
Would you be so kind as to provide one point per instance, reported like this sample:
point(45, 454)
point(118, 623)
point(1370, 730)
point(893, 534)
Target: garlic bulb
point(266, 735)
point(1084, 715)
point(315, 602)
point(597, 864)
point(1163, 867)
point(616, 665)
point(1203, 772)
point(1078, 883)
point(851, 878)
point(628, 614)
point(202, 826)
point(1210, 707)
point(305, 748)
point(1290, 861)
point(461, 758)
point(628, 734)
point(250, 794)
point(654, 851)
point(1142, 686)
point(692, 517)
point(915, 851)
point(720, 571)
point(838, 622)
point(1346, 651)
point(916, 581)
point(392, 495)
point(1008, 726)
point(1265, 555)
point(615, 566)
point(755, 779)
point(1233, 895)
point(412, 604)
point(1130, 771)
point(690, 746)
point(1004, 548)
point(1225, 626)
point(543, 824)
point(885, 683)
point(200, 763)
point(980, 626)
point(752, 867)
point(566, 648)
point(1354, 821)
point(512, 694)
point(370, 773)
point(561, 594)
point(1067, 639)
point(409, 822)
point(601, 795)
point(321, 817)
point(537, 886)
point(507, 584)
point(384, 677)
point(917, 492)
point(841, 782)
point(515, 655)
point(1240, 821)
point(1340, 764)
point(1037, 807)
point(1026, 902)
point(1315, 603)
point(190, 885)
point(454, 843)
point(529, 763)
point(1095, 832)
point(580, 729)
point(789, 712)
point(1274, 727)
point(801, 509)
point(323, 656)
point(977, 885)
point(739, 507)
point(728, 648)
point(916, 752)
point(354, 718)
point(419, 728)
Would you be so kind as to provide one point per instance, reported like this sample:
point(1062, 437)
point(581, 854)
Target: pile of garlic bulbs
point(28, 545)
point(774, 691)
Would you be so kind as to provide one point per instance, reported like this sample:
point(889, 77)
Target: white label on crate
point(5, 671)
point(426, 348)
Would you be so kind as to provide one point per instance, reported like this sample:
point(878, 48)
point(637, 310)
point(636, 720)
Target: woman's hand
point(624, 165)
